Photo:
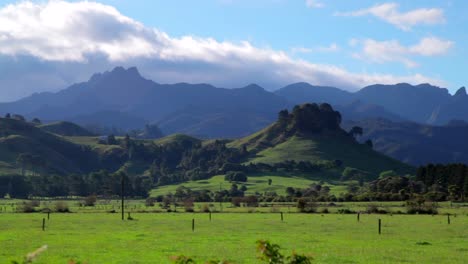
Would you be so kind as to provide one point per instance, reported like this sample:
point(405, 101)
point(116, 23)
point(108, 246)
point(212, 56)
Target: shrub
point(420, 206)
point(346, 211)
point(188, 205)
point(205, 208)
point(372, 209)
point(90, 200)
point(237, 176)
point(325, 211)
point(150, 202)
point(62, 207)
point(305, 205)
point(270, 253)
point(27, 207)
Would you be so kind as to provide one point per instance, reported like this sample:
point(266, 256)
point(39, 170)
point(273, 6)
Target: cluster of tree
point(235, 176)
point(97, 183)
point(19, 117)
point(452, 179)
point(432, 183)
point(310, 118)
point(285, 166)
point(185, 160)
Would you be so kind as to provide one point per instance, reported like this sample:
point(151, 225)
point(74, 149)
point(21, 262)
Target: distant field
point(254, 184)
point(154, 238)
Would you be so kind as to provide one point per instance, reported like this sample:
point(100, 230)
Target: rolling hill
point(48, 152)
point(313, 133)
point(66, 129)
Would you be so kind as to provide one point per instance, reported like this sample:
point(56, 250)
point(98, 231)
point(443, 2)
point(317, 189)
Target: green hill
point(43, 151)
point(66, 129)
point(312, 133)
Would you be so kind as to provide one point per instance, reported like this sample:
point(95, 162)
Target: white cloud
point(314, 4)
point(81, 37)
point(393, 51)
point(389, 12)
point(333, 47)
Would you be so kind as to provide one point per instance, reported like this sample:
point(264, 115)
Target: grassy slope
point(174, 138)
point(65, 129)
point(154, 238)
point(254, 184)
point(18, 137)
point(319, 149)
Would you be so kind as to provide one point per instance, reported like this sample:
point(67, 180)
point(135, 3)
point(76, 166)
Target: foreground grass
point(153, 238)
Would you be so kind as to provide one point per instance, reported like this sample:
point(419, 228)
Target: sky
point(49, 45)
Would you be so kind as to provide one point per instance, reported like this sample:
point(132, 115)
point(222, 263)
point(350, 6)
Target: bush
point(90, 200)
point(305, 205)
point(150, 202)
point(346, 211)
point(27, 207)
point(325, 211)
point(237, 176)
point(62, 207)
point(188, 205)
point(205, 208)
point(420, 206)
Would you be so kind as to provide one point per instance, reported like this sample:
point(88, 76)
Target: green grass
point(322, 149)
point(154, 238)
point(254, 184)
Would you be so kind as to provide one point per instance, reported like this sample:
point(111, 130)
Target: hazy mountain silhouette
point(123, 98)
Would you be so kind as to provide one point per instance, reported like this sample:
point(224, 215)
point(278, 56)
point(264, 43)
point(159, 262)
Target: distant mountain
point(456, 108)
point(415, 103)
point(123, 100)
point(417, 144)
point(300, 93)
point(358, 110)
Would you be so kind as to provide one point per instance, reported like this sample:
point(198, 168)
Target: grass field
point(154, 238)
point(254, 184)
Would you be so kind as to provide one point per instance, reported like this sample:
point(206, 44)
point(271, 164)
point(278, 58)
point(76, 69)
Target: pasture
point(99, 237)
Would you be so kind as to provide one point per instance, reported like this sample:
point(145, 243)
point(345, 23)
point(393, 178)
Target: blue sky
point(348, 44)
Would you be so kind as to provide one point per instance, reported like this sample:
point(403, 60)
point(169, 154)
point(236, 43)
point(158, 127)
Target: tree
point(236, 176)
point(19, 117)
point(369, 143)
point(270, 181)
point(356, 131)
point(8, 115)
point(290, 191)
point(36, 121)
point(25, 160)
point(111, 140)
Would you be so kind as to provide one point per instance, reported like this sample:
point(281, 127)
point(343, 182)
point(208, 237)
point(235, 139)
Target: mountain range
point(123, 99)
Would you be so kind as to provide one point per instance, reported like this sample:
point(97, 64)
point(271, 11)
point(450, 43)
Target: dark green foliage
point(90, 200)
point(61, 207)
point(270, 253)
point(235, 176)
point(306, 205)
point(356, 131)
point(442, 178)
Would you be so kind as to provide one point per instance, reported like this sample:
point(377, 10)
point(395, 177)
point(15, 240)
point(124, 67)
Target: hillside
point(417, 144)
point(313, 133)
point(45, 152)
point(66, 129)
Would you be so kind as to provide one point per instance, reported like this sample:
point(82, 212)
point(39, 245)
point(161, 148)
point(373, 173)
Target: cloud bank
point(61, 42)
